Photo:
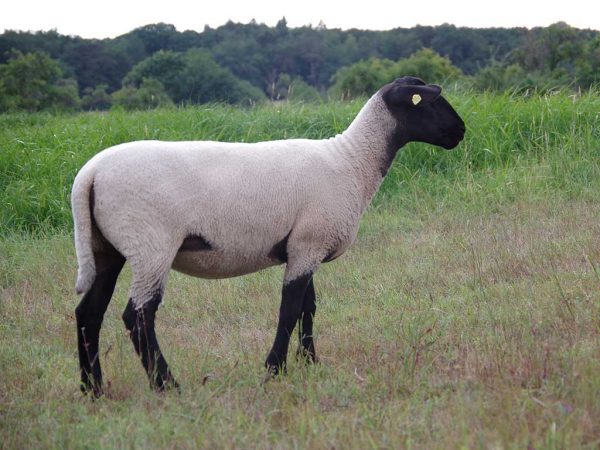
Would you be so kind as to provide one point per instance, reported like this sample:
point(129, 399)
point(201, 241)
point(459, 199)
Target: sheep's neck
point(369, 146)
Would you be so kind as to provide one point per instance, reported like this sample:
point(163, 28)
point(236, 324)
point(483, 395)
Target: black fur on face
point(423, 115)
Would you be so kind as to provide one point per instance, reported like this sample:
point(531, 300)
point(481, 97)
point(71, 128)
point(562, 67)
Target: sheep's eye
point(416, 99)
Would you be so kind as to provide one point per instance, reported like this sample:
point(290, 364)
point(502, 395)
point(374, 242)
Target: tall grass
point(466, 315)
point(513, 144)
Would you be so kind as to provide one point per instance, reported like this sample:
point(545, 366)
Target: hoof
point(307, 355)
point(274, 366)
point(94, 390)
point(273, 372)
point(167, 385)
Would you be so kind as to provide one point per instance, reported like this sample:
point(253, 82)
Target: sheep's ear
point(414, 95)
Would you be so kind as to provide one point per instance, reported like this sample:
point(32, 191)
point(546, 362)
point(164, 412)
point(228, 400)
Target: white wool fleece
point(241, 199)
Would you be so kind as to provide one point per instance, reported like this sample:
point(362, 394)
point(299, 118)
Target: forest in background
point(157, 65)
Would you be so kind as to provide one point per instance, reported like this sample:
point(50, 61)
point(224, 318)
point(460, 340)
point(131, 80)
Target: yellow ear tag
point(416, 99)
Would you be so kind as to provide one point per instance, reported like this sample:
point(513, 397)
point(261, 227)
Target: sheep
point(218, 210)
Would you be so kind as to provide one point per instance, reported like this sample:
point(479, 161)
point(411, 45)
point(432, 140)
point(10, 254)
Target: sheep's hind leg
point(289, 313)
point(306, 348)
point(89, 314)
point(140, 324)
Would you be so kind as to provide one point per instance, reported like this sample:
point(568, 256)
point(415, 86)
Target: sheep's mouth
point(452, 140)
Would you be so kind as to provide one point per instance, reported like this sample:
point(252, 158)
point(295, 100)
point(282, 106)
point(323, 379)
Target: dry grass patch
point(452, 329)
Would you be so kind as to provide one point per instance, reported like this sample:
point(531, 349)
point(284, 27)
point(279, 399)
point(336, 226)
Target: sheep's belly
point(213, 264)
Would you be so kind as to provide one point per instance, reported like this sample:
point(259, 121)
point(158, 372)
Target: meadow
point(467, 314)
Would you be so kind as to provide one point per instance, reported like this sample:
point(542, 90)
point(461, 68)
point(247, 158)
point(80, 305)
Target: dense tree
point(558, 55)
point(158, 36)
point(550, 57)
point(395, 45)
point(193, 77)
point(203, 80)
point(588, 67)
point(33, 82)
point(164, 66)
point(49, 42)
point(94, 63)
point(244, 58)
point(316, 54)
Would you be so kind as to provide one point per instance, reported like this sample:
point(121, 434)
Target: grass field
point(467, 315)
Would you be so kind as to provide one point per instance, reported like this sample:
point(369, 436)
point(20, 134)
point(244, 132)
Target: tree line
point(156, 65)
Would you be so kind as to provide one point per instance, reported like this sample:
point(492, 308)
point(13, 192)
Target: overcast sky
point(110, 18)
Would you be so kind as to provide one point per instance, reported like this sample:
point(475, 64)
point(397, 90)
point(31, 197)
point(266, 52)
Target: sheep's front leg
point(306, 348)
point(292, 299)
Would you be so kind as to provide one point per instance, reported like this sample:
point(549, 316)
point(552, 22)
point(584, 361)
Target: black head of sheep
point(422, 113)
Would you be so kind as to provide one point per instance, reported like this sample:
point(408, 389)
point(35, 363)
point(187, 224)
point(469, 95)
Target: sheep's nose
point(461, 130)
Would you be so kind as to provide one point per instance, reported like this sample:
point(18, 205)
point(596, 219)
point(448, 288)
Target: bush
point(64, 95)
point(513, 78)
point(296, 90)
point(301, 91)
point(365, 77)
point(361, 79)
point(96, 99)
point(428, 65)
point(151, 94)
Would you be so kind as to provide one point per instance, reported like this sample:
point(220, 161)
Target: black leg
point(140, 324)
point(306, 348)
point(89, 314)
point(289, 312)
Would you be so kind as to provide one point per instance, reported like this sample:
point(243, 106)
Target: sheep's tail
point(82, 218)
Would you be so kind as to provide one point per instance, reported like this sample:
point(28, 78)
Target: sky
point(110, 18)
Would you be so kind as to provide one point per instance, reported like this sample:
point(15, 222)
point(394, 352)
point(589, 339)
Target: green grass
point(514, 146)
point(467, 315)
